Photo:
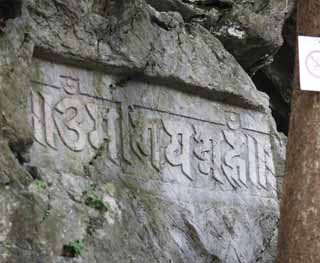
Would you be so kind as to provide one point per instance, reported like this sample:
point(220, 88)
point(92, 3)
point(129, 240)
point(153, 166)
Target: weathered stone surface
point(250, 30)
point(214, 174)
point(15, 56)
point(150, 142)
point(276, 79)
point(281, 71)
point(131, 41)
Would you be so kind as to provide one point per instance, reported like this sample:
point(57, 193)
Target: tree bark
point(299, 236)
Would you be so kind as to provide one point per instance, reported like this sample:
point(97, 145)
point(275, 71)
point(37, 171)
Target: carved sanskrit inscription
point(137, 133)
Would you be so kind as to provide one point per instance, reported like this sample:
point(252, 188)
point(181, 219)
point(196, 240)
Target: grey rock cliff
point(129, 133)
point(277, 78)
point(250, 30)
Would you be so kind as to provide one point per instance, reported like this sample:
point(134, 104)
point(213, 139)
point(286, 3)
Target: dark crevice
point(219, 4)
point(21, 154)
point(20, 158)
point(9, 9)
point(277, 79)
point(34, 172)
point(280, 109)
point(101, 7)
point(108, 8)
point(159, 23)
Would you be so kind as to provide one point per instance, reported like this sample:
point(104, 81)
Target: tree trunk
point(299, 240)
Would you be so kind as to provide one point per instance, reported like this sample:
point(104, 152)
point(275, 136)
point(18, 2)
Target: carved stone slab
point(164, 134)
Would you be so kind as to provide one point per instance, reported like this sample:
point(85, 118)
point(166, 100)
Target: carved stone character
point(208, 153)
point(70, 85)
point(139, 142)
point(234, 166)
point(43, 124)
point(98, 135)
point(112, 117)
point(252, 160)
point(125, 133)
point(178, 151)
point(272, 181)
point(145, 138)
point(261, 166)
point(38, 117)
point(155, 144)
point(233, 120)
point(73, 115)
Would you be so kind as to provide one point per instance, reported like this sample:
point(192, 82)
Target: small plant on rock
point(96, 202)
point(40, 184)
point(73, 249)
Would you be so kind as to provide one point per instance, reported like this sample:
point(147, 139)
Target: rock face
point(250, 30)
point(129, 134)
point(277, 78)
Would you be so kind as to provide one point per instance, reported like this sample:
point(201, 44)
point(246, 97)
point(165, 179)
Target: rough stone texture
point(281, 71)
point(276, 79)
point(129, 108)
point(250, 30)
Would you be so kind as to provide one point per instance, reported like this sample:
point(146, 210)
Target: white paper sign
point(309, 63)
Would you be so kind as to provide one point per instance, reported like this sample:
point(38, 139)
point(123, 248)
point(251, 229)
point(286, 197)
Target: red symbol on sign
point(313, 63)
